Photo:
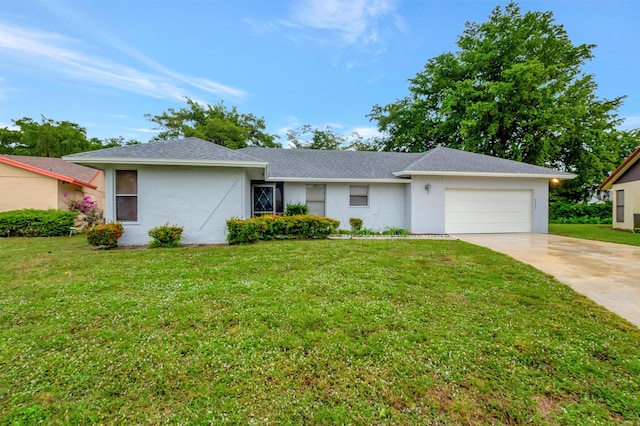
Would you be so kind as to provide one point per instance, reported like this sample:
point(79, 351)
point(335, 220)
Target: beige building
point(41, 182)
point(624, 184)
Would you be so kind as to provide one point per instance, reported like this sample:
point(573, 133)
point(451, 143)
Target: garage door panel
point(487, 211)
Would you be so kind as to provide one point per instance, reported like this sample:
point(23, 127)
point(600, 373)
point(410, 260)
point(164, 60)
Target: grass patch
point(303, 332)
point(596, 232)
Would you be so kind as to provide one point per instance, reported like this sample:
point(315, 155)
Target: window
point(316, 199)
point(620, 205)
point(267, 198)
point(127, 195)
point(358, 195)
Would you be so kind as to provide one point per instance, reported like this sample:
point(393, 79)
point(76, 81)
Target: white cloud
point(6, 89)
point(353, 21)
point(144, 130)
point(58, 53)
point(367, 132)
point(631, 122)
point(8, 126)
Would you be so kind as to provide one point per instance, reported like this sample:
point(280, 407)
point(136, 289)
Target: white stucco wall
point(428, 208)
point(386, 204)
point(200, 199)
point(295, 193)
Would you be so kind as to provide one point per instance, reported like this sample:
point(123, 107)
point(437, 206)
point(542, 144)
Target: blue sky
point(104, 64)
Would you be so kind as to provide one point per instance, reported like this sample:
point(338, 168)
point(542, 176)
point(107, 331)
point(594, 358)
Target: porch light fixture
point(427, 187)
point(555, 180)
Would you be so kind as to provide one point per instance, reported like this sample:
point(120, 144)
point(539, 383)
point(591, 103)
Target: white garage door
point(480, 211)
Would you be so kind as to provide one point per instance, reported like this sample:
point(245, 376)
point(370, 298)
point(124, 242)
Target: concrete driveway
point(607, 273)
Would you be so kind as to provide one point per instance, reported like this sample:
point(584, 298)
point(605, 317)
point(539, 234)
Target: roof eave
point(560, 176)
point(47, 173)
point(619, 171)
point(163, 162)
point(337, 180)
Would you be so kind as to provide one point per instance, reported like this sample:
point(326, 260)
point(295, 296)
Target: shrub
point(87, 208)
point(268, 227)
point(563, 212)
point(166, 235)
point(36, 223)
point(106, 235)
point(356, 225)
point(367, 232)
point(296, 209)
point(395, 231)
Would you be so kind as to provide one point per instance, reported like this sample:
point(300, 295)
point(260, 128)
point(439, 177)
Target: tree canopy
point(310, 137)
point(215, 123)
point(51, 138)
point(515, 89)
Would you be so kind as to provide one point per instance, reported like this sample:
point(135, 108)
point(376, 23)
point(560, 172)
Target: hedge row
point(36, 223)
point(563, 212)
point(269, 227)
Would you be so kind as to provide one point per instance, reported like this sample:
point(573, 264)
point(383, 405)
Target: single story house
point(199, 185)
point(41, 182)
point(624, 183)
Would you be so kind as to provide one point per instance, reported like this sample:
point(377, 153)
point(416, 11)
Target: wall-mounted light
point(555, 180)
point(427, 187)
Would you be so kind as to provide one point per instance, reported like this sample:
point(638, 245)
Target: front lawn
point(596, 232)
point(303, 332)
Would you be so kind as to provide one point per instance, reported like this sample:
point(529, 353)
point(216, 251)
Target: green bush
point(105, 236)
point(166, 235)
point(268, 227)
point(296, 209)
point(395, 231)
point(356, 225)
point(36, 223)
point(564, 212)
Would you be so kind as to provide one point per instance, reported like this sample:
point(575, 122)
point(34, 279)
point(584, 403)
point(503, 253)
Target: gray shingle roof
point(323, 164)
point(452, 160)
point(318, 164)
point(178, 149)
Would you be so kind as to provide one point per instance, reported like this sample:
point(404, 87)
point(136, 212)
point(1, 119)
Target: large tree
point(9, 140)
point(50, 138)
point(515, 89)
point(310, 137)
point(215, 123)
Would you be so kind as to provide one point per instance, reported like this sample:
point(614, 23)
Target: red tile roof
point(55, 168)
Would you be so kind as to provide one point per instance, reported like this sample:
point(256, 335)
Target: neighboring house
point(41, 182)
point(199, 185)
point(624, 184)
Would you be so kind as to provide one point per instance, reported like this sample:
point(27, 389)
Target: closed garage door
point(487, 211)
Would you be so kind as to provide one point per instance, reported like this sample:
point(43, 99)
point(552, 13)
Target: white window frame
point(255, 186)
point(122, 195)
point(317, 202)
point(356, 192)
point(620, 205)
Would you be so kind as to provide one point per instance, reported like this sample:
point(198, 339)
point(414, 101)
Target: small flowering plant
point(166, 235)
point(106, 235)
point(86, 207)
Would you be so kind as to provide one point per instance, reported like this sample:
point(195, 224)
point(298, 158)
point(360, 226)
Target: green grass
point(303, 332)
point(596, 232)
